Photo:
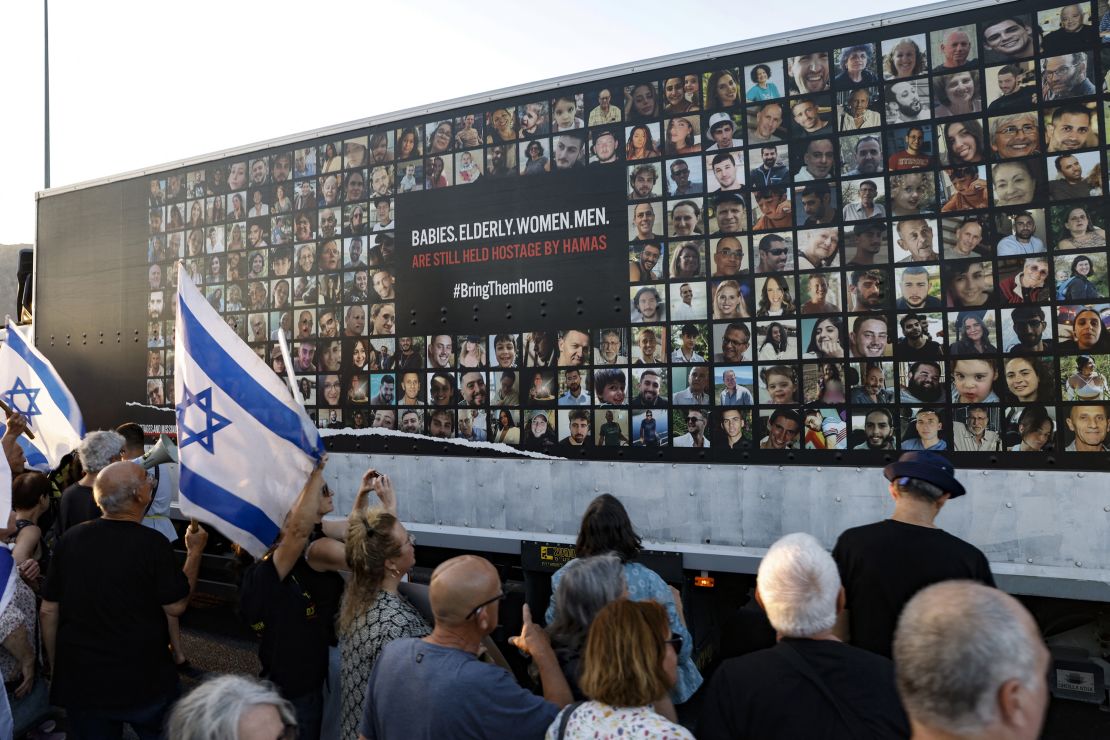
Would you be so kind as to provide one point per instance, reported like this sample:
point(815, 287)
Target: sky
point(159, 82)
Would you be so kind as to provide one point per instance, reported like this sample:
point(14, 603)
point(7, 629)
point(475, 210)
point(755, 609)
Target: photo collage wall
point(889, 241)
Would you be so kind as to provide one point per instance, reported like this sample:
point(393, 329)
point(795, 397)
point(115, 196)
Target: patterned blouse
point(598, 721)
point(390, 617)
point(22, 610)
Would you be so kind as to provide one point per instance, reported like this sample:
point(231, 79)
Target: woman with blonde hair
point(631, 661)
point(728, 301)
point(379, 553)
point(686, 262)
point(904, 60)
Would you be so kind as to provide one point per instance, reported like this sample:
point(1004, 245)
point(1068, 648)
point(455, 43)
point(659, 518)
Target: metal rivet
point(1029, 560)
point(763, 495)
point(1009, 505)
point(691, 493)
point(1079, 475)
point(818, 468)
point(838, 499)
point(1078, 563)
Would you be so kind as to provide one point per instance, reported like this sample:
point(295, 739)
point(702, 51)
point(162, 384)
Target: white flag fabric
point(31, 386)
point(246, 447)
point(5, 493)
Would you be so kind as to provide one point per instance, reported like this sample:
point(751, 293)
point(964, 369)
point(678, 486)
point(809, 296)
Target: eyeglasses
point(1026, 128)
point(1059, 71)
point(675, 642)
point(500, 597)
point(777, 252)
point(694, 420)
point(731, 253)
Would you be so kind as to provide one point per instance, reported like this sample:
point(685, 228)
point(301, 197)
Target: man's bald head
point(969, 659)
point(459, 585)
point(119, 487)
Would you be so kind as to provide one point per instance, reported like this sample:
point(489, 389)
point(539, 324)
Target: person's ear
point(1016, 705)
point(759, 598)
point(841, 600)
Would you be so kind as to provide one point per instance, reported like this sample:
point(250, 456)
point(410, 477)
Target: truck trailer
point(727, 286)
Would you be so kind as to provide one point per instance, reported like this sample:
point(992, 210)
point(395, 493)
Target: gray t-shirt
point(429, 691)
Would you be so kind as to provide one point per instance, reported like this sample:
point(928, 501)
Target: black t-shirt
point(295, 618)
point(76, 506)
point(763, 696)
point(929, 351)
point(111, 579)
point(883, 565)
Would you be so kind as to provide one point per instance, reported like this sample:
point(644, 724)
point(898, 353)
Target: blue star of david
point(21, 389)
point(213, 422)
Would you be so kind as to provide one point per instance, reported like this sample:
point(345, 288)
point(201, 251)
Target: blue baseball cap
point(929, 467)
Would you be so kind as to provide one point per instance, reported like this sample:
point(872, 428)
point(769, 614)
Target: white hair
point(799, 584)
point(957, 642)
point(212, 710)
point(98, 449)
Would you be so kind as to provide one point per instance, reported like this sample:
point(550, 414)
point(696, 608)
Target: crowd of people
point(898, 632)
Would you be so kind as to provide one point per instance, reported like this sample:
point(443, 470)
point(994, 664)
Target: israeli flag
point(5, 495)
point(246, 447)
point(30, 385)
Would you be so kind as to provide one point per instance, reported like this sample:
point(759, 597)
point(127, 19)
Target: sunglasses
point(675, 642)
point(500, 597)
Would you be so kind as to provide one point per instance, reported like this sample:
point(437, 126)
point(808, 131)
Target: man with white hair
point(882, 565)
point(97, 451)
point(810, 679)
point(970, 663)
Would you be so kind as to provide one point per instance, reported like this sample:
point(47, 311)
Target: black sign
point(505, 251)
